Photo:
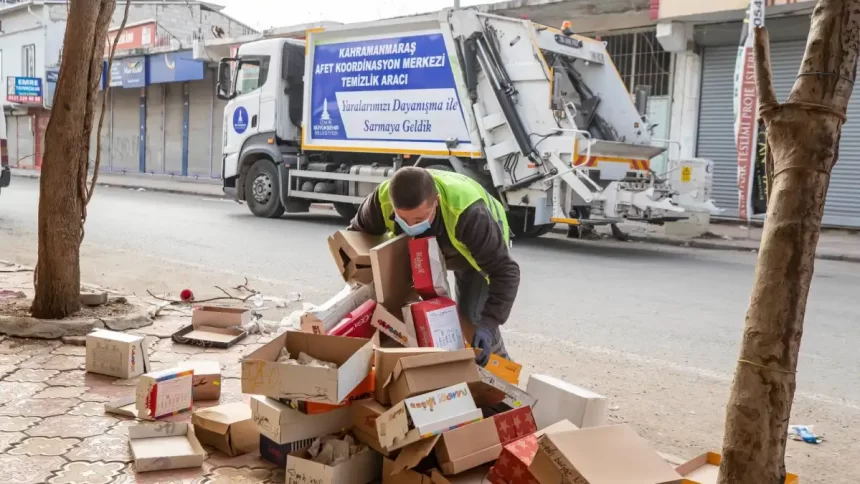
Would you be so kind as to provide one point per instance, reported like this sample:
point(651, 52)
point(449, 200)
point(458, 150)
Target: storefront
point(716, 119)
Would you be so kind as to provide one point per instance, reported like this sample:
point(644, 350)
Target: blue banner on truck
point(389, 92)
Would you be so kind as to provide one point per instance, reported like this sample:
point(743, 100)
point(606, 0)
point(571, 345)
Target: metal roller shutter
point(716, 131)
point(173, 106)
point(104, 162)
point(200, 126)
point(125, 140)
point(155, 128)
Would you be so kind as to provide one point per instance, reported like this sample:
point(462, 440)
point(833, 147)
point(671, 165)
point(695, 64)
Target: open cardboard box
point(514, 396)
point(512, 467)
point(385, 359)
point(414, 375)
point(206, 383)
point(323, 318)
point(229, 428)
point(394, 327)
point(262, 374)
point(214, 327)
point(351, 253)
point(116, 354)
point(164, 446)
point(705, 469)
point(277, 453)
point(362, 468)
point(362, 391)
point(284, 425)
point(613, 453)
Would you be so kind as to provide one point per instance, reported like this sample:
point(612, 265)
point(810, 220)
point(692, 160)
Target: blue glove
point(484, 340)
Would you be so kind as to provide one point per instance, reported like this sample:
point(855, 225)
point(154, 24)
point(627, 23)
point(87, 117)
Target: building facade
point(159, 111)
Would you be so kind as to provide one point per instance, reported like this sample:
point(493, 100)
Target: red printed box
point(436, 323)
point(429, 276)
point(515, 424)
point(512, 467)
point(357, 324)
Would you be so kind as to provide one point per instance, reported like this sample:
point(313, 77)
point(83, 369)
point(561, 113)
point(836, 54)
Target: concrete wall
point(684, 8)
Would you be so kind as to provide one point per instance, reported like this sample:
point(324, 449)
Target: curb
point(175, 191)
point(706, 245)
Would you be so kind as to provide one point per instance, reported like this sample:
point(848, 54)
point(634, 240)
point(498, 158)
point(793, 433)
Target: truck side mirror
point(224, 90)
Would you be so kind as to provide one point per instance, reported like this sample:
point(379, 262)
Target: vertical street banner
point(749, 129)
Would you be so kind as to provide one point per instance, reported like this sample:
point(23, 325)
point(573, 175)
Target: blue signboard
point(174, 67)
point(51, 77)
point(132, 71)
point(388, 91)
point(240, 120)
point(24, 90)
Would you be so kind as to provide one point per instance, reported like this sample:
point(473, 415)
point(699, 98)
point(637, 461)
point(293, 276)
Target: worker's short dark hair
point(411, 186)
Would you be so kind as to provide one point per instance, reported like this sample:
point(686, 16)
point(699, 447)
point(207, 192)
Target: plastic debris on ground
point(804, 433)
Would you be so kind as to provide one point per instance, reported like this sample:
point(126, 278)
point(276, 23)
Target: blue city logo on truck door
point(240, 120)
point(390, 90)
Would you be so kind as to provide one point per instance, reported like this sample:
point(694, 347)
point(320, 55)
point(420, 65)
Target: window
point(252, 74)
point(641, 61)
point(28, 60)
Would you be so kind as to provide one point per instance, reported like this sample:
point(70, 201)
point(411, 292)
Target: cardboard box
point(214, 327)
point(394, 327)
point(323, 318)
point(468, 447)
point(705, 469)
point(514, 396)
point(429, 275)
point(514, 424)
point(351, 252)
point(263, 375)
point(512, 467)
point(126, 407)
point(116, 354)
point(206, 384)
point(362, 468)
point(277, 453)
point(559, 400)
point(385, 359)
point(362, 391)
point(356, 324)
point(164, 393)
point(364, 414)
point(505, 369)
point(436, 322)
point(229, 428)
point(614, 453)
point(164, 446)
point(415, 375)
point(426, 415)
point(409, 476)
point(392, 275)
point(283, 425)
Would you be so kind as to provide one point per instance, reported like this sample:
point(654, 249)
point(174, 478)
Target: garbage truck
point(538, 116)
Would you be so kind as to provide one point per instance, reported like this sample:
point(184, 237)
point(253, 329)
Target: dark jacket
point(477, 229)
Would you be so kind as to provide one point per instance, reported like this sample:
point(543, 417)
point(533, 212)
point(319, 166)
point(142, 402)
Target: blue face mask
point(412, 230)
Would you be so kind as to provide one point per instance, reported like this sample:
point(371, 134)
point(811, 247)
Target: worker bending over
point(472, 231)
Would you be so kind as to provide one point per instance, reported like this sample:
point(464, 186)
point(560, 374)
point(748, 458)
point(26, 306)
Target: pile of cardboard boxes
point(379, 385)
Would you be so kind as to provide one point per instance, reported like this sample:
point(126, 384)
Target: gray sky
point(262, 14)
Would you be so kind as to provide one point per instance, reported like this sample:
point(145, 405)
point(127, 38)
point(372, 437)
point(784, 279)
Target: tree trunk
point(803, 139)
point(62, 191)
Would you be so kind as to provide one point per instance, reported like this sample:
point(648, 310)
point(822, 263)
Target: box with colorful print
point(436, 322)
point(116, 354)
point(164, 393)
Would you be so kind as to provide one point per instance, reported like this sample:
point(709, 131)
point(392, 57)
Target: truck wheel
point(515, 220)
point(346, 210)
point(262, 190)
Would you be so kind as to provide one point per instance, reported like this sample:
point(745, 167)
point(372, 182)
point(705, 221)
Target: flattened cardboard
point(351, 253)
point(507, 370)
point(165, 446)
point(514, 424)
point(125, 406)
point(414, 375)
point(362, 468)
point(385, 360)
point(357, 323)
point(468, 447)
point(704, 469)
point(512, 467)
point(229, 428)
point(206, 384)
point(394, 327)
point(514, 396)
point(559, 400)
point(164, 393)
point(392, 275)
point(263, 375)
point(277, 453)
point(214, 327)
point(323, 318)
point(614, 453)
point(116, 354)
point(283, 425)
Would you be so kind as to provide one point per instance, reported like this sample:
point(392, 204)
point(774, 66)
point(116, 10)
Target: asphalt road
point(682, 307)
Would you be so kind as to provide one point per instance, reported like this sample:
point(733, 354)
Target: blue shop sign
point(24, 90)
point(174, 67)
point(51, 77)
point(133, 71)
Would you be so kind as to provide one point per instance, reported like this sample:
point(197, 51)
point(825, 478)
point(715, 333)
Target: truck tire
point(346, 210)
point(262, 190)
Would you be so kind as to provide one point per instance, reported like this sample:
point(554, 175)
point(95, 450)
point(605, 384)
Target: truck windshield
point(252, 74)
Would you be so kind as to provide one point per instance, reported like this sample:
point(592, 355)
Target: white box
point(116, 354)
point(164, 393)
point(558, 400)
